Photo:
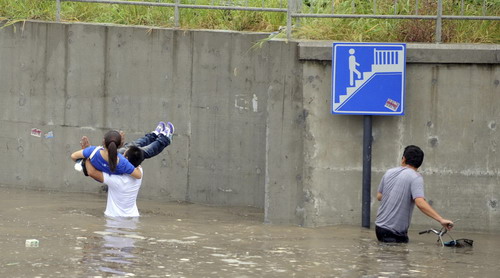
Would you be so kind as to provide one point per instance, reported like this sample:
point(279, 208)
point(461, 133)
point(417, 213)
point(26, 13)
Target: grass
point(356, 30)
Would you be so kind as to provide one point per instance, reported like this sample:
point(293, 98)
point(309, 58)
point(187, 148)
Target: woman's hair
point(112, 139)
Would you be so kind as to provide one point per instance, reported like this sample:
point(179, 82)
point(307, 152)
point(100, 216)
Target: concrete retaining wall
point(253, 123)
point(76, 79)
point(452, 112)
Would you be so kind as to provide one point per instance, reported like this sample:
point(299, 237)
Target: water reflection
point(392, 259)
point(181, 240)
point(113, 251)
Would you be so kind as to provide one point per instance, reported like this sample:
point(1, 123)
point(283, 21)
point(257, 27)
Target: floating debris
point(32, 243)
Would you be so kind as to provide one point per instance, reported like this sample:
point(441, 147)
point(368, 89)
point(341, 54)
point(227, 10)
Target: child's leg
point(163, 139)
point(141, 142)
point(156, 147)
point(152, 143)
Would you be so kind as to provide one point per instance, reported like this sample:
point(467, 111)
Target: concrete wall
point(452, 112)
point(82, 79)
point(253, 123)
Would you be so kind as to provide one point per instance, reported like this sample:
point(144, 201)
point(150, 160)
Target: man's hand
point(448, 224)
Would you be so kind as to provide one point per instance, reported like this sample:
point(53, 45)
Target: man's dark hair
point(414, 156)
point(134, 155)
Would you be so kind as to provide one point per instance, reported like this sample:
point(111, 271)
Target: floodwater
point(189, 240)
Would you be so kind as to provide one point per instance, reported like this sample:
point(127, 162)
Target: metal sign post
point(368, 79)
point(367, 171)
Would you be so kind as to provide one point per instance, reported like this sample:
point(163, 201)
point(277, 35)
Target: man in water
point(399, 191)
point(123, 189)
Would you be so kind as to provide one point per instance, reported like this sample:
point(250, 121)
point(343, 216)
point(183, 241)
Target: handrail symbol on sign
point(368, 79)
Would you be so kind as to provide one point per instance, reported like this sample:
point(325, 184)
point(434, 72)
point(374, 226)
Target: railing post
point(439, 21)
point(289, 19)
point(293, 7)
point(58, 10)
point(176, 14)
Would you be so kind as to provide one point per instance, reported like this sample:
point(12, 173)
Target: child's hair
point(112, 139)
point(134, 155)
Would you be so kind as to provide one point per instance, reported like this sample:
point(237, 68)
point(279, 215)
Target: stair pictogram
point(385, 62)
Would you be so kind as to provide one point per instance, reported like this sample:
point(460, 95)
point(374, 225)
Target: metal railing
point(293, 8)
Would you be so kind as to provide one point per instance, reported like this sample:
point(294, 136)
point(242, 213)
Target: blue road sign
point(368, 78)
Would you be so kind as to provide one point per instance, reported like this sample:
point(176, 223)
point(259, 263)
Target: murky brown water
point(186, 240)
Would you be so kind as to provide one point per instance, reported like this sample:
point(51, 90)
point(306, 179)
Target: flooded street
point(188, 240)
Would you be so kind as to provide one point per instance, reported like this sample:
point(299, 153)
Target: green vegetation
point(357, 30)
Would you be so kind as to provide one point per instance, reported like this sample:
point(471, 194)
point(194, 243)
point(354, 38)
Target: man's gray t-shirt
point(400, 186)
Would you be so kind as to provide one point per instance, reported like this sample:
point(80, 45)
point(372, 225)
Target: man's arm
point(379, 196)
point(137, 173)
point(93, 172)
point(429, 211)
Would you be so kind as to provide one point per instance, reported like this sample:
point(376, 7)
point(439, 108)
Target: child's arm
point(77, 155)
point(93, 172)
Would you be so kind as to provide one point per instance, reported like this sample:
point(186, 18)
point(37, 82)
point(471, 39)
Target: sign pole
point(368, 79)
point(367, 165)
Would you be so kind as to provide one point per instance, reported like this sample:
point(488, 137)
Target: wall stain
point(492, 125)
point(433, 141)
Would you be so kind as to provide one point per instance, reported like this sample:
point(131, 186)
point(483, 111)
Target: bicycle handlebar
point(439, 233)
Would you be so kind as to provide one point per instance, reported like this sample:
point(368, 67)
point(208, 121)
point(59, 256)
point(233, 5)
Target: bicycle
point(462, 242)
